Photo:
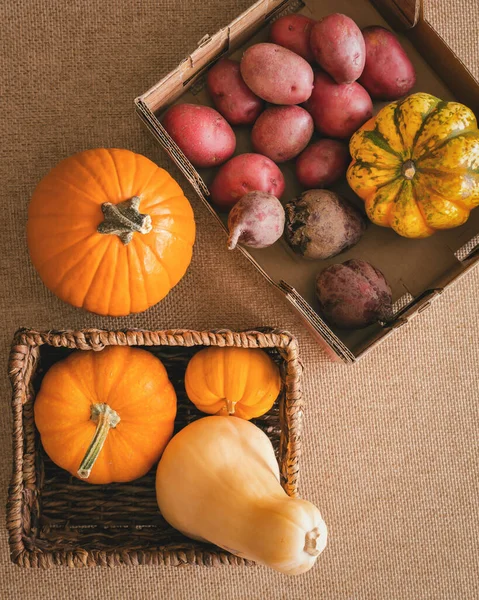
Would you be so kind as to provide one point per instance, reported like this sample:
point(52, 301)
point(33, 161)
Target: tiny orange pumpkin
point(110, 231)
point(106, 416)
point(243, 382)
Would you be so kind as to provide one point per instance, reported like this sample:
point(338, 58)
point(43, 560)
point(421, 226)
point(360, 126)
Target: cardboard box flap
point(403, 14)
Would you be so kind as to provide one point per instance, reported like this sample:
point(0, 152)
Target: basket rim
point(23, 354)
point(97, 339)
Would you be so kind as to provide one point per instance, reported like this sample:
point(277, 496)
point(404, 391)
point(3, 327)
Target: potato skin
point(201, 132)
point(230, 94)
point(322, 163)
point(388, 73)
point(353, 295)
point(242, 174)
point(320, 224)
point(294, 32)
point(282, 132)
point(276, 74)
point(338, 47)
point(338, 110)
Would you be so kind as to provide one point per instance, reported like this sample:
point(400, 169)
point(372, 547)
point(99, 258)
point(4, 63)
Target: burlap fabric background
point(390, 445)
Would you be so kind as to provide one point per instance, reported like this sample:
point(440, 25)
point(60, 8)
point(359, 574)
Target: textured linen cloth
point(390, 444)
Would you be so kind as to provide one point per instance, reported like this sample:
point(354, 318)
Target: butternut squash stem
point(105, 418)
point(311, 542)
point(123, 219)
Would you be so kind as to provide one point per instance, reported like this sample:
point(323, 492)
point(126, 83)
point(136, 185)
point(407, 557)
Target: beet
point(256, 220)
point(321, 224)
point(353, 295)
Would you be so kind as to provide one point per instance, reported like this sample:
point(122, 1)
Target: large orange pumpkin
point(110, 231)
point(106, 416)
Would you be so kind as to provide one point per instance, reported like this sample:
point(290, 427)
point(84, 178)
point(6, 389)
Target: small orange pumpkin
point(110, 231)
point(243, 382)
point(106, 416)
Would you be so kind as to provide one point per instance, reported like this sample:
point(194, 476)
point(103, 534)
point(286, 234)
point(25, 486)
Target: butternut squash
point(218, 481)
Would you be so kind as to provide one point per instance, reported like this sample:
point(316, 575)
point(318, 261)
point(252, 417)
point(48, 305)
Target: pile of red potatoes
point(311, 76)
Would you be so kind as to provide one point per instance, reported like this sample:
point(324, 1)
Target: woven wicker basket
point(56, 519)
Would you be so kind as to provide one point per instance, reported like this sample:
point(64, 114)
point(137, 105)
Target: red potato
point(202, 134)
point(388, 73)
point(322, 164)
point(338, 110)
point(276, 74)
point(338, 47)
point(282, 132)
point(242, 174)
point(230, 94)
point(293, 32)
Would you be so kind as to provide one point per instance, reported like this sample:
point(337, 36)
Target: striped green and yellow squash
point(416, 165)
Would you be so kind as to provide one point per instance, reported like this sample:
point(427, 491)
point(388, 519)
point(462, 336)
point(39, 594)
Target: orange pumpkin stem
point(123, 219)
point(230, 406)
point(408, 169)
point(105, 418)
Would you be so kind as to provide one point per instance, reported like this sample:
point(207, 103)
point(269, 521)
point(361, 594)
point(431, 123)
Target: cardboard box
point(417, 270)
